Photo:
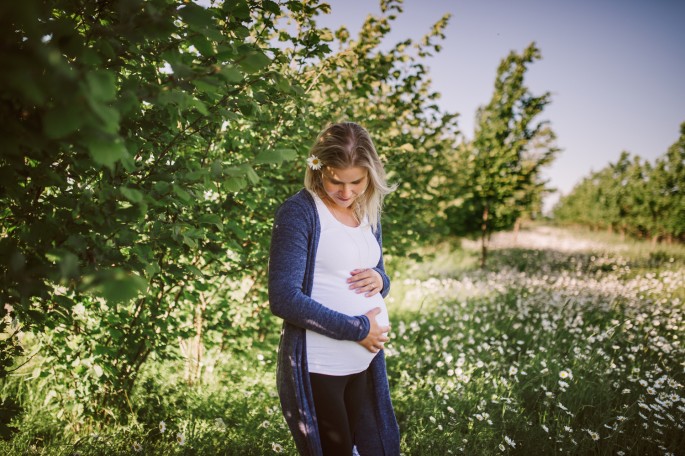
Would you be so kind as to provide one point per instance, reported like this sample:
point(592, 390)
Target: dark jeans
point(338, 401)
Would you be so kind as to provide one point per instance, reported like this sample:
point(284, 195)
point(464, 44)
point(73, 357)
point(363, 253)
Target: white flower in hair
point(314, 162)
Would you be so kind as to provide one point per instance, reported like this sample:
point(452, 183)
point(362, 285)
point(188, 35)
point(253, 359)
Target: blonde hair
point(347, 145)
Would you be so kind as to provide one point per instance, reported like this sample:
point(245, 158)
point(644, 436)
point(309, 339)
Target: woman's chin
point(344, 204)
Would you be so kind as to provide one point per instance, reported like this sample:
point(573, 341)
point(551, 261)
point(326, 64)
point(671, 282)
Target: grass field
point(568, 343)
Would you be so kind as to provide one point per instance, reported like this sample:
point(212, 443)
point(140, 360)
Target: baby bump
point(349, 302)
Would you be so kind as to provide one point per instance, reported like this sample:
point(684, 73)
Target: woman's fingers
point(365, 281)
point(377, 335)
point(373, 312)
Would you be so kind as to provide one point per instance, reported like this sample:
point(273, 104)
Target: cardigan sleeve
point(380, 267)
point(291, 239)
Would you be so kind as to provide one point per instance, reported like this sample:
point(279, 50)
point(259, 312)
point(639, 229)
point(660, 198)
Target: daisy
point(276, 447)
point(137, 447)
point(162, 427)
point(180, 438)
point(314, 162)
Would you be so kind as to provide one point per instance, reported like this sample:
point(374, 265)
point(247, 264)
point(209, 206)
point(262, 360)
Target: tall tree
point(497, 174)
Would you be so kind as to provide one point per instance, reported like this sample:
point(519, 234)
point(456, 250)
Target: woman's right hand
point(373, 342)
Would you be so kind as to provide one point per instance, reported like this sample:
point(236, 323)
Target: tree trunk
point(194, 347)
point(517, 226)
point(484, 238)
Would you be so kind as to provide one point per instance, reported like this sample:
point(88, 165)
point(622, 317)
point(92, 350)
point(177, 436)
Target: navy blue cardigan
point(294, 241)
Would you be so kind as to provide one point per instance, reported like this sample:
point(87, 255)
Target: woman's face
point(344, 185)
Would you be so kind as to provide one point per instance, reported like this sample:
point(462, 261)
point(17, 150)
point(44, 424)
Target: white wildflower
point(314, 162)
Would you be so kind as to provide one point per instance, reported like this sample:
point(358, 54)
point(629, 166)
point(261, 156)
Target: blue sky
point(615, 68)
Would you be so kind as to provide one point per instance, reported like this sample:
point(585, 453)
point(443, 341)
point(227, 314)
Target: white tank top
point(341, 249)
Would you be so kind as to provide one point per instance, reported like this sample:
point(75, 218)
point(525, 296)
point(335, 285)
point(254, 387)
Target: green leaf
point(253, 60)
point(131, 194)
point(195, 271)
point(206, 87)
point(190, 242)
point(152, 268)
point(250, 173)
point(90, 57)
point(106, 152)
point(271, 7)
point(200, 106)
point(231, 74)
point(196, 16)
point(102, 85)
point(212, 219)
point(68, 265)
point(162, 187)
point(196, 176)
point(216, 169)
point(109, 115)
point(182, 194)
point(234, 184)
point(239, 8)
point(59, 122)
point(25, 84)
point(276, 156)
point(123, 287)
point(203, 45)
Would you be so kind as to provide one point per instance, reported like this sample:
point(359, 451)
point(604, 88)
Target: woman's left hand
point(366, 281)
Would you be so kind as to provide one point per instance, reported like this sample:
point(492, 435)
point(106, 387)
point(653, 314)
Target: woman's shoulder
point(301, 204)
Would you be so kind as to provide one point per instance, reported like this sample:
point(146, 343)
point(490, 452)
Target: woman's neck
point(345, 215)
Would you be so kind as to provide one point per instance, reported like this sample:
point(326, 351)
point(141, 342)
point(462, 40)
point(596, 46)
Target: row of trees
point(633, 196)
point(147, 144)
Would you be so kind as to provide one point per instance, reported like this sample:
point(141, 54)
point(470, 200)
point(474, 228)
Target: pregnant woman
point(327, 281)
